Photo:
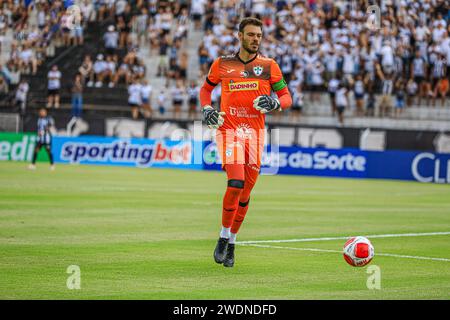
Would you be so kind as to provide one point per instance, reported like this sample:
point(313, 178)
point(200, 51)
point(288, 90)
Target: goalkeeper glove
point(212, 117)
point(265, 104)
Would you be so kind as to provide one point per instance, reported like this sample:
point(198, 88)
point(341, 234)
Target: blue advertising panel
point(126, 152)
point(315, 162)
point(301, 161)
point(350, 163)
point(404, 165)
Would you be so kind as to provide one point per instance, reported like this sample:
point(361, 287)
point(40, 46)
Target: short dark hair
point(249, 21)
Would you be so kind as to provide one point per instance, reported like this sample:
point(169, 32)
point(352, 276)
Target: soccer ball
point(358, 251)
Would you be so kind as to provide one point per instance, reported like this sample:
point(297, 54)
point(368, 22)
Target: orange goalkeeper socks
point(239, 216)
point(230, 204)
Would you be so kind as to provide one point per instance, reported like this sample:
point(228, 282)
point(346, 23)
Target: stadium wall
point(348, 163)
point(395, 139)
point(202, 155)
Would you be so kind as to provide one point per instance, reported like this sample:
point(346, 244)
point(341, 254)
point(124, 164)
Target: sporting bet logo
point(243, 86)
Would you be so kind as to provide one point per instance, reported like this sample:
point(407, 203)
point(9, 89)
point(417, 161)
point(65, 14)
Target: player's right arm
point(212, 118)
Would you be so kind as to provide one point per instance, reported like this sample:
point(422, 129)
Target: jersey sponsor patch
point(244, 74)
point(244, 86)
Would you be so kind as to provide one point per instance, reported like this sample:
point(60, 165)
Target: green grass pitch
point(150, 234)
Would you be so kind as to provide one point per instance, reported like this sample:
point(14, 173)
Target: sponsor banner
point(19, 147)
point(349, 163)
point(404, 165)
point(125, 152)
point(302, 161)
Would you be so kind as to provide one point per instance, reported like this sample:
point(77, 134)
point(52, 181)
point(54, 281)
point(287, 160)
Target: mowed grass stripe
point(150, 234)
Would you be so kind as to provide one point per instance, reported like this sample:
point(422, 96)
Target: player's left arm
point(266, 103)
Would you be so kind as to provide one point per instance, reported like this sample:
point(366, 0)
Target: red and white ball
point(358, 251)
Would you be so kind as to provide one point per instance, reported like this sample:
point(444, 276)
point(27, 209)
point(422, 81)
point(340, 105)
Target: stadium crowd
point(36, 28)
point(162, 27)
point(335, 46)
point(373, 67)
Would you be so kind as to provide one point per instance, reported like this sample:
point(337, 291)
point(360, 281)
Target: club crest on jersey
point(243, 86)
point(258, 70)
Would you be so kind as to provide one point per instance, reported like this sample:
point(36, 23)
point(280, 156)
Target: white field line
point(336, 251)
point(398, 235)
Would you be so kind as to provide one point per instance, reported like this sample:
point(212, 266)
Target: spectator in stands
point(439, 78)
point(77, 35)
point(182, 65)
point(203, 57)
point(66, 28)
point(123, 72)
point(153, 33)
point(146, 96)
point(118, 7)
point(197, 11)
point(333, 86)
point(316, 81)
point(111, 39)
point(138, 69)
point(134, 97)
point(77, 96)
point(386, 95)
point(342, 101)
point(193, 93)
point(88, 12)
point(182, 25)
point(3, 27)
point(102, 10)
point(166, 20)
point(142, 26)
point(110, 70)
point(161, 102)
point(5, 73)
point(370, 107)
point(163, 57)
point(4, 88)
point(418, 72)
point(177, 93)
point(100, 70)
point(124, 28)
point(21, 96)
point(27, 59)
point(400, 94)
point(54, 85)
point(411, 91)
point(86, 71)
point(359, 91)
point(441, 90)
point(297, 103)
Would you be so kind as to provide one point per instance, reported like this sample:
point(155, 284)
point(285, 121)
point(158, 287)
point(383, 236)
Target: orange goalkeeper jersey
point(242, 82)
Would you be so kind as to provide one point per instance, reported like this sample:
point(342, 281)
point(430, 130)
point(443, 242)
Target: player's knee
point(234, 183)
point(244, 203)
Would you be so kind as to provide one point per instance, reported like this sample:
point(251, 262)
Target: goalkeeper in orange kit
point(247, 79)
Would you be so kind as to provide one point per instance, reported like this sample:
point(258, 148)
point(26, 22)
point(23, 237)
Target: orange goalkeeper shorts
point(236, 148)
